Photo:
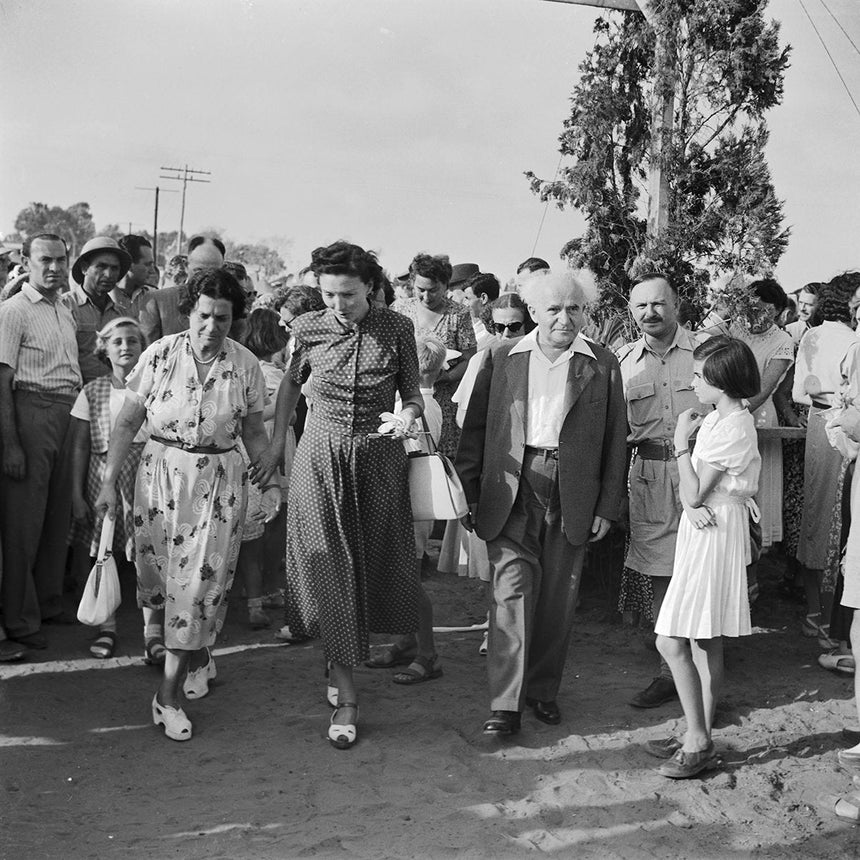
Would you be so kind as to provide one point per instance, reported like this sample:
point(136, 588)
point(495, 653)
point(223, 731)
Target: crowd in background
point(113, 378)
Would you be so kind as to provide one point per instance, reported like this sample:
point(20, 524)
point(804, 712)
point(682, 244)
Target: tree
point(74, 224)
point(724, 215)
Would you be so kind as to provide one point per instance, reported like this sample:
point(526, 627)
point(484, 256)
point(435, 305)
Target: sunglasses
point(501, 328)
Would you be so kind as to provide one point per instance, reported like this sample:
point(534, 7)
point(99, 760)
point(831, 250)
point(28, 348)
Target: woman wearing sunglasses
point(463, 552)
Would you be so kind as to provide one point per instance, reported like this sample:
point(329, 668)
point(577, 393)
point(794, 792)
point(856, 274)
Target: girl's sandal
point(154, 652)
point(104, 645)
point(419, 670)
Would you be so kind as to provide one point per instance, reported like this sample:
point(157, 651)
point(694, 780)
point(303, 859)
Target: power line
point(545, 208)
point(184, 175)
point(839, 25)
point(830, 57)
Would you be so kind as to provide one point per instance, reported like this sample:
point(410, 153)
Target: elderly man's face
point(101, 273)
point(558, 312)
point(204, 257)
point(654, 307)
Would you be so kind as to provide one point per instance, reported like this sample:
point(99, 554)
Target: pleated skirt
point(707, 595)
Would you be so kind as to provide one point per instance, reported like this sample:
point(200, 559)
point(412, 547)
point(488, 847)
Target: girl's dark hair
point(437, 268)
point(299, 299)
point(217, 284)
point(833, 298)
point(263, 332)
point(342, 258)
point(729, 364)
point(770, 292)
point(514, 302)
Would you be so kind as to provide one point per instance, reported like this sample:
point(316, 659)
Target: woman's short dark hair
point(217, 284)
point(343, 258)
point(264, 333)
point(770, 292)
point(513, 302)
point(299, 299)
point(833, 298)
point(437, 268)
point(729, 364)
point(532, 264)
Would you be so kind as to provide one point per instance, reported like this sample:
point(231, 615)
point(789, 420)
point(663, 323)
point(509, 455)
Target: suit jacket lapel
point(579, 373)
point(517, 370)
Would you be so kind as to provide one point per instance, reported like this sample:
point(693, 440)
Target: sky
point(402, 125)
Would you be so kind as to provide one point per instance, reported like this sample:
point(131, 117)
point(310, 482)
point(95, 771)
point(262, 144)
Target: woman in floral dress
point(433, 313)
point(201, 393)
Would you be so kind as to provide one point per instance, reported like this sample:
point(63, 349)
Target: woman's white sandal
point(196, 684)
point(343, 736)
point(176, 725)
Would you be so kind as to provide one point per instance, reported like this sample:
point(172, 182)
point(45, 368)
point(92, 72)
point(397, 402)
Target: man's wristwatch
point(679, 454)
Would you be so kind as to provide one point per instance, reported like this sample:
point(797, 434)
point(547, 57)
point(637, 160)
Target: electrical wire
point(830, 57)
point(839, 25)
point(546, 208)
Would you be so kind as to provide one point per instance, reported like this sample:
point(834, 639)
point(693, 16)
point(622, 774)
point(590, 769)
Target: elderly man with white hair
point(542, 460)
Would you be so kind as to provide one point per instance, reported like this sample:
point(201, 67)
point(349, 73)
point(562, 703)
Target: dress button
point(517, 473)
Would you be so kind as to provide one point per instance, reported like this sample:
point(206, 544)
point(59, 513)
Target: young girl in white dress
point(707, 595)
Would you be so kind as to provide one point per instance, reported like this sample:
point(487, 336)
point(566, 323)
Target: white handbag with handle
point(102, 596)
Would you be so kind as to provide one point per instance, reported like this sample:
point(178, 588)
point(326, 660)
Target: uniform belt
point(654, 449)
point(192, 449)
point(546, 453)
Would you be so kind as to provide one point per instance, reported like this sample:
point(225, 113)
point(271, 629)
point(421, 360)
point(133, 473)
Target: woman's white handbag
point(102, 596)
point(434, 486)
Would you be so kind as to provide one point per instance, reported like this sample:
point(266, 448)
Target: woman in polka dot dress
point(350, 539)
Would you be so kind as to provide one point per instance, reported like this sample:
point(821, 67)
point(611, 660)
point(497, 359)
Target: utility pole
point(663, 109)
point(184, 175)
point(156, 189)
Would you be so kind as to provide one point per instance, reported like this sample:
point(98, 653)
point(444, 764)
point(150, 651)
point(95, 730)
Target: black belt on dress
point(655, 449)
point(820, 405)
point(192, 449)
point(546, 453)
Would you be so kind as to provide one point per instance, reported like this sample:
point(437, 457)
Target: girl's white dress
point(707, 594)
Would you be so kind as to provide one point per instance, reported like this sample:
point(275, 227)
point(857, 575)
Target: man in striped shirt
point(39, 378)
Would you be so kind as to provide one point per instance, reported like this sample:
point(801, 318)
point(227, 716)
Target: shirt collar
point(80, 297)
point(683, 339)
point(529, 343)
point(32, 293)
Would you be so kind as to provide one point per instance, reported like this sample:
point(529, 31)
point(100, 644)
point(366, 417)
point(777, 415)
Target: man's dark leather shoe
point(503, 723)
point(546, 712)
point(658, 692)
point(35, 640)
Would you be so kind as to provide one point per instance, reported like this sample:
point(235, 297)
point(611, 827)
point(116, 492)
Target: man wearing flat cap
point(98, 269)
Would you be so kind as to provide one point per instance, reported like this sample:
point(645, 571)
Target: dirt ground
point(86, 775)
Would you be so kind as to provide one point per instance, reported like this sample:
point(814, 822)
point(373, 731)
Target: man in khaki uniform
point(657, 372)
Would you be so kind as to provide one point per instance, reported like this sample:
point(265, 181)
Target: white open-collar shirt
point(546, 389)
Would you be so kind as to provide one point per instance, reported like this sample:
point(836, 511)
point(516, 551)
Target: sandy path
point(85, 775)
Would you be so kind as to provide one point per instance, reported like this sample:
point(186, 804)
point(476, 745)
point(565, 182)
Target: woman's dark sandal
point(418, 671)
point(686, 765)
point(845, 807)
point(343, 735)
point(388, 658)
point(154, 652)
point(104, 645)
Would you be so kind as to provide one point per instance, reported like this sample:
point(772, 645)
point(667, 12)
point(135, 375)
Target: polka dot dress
point(350, 539)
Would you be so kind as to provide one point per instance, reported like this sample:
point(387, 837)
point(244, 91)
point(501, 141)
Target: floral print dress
point(189, 508)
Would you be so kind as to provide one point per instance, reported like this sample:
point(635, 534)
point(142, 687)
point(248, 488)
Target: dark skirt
point(350, 542)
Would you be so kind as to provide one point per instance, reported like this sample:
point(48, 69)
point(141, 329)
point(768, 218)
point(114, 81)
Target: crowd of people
point(229, 427)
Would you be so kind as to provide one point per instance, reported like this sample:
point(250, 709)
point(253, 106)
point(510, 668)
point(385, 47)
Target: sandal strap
point(427, 664)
